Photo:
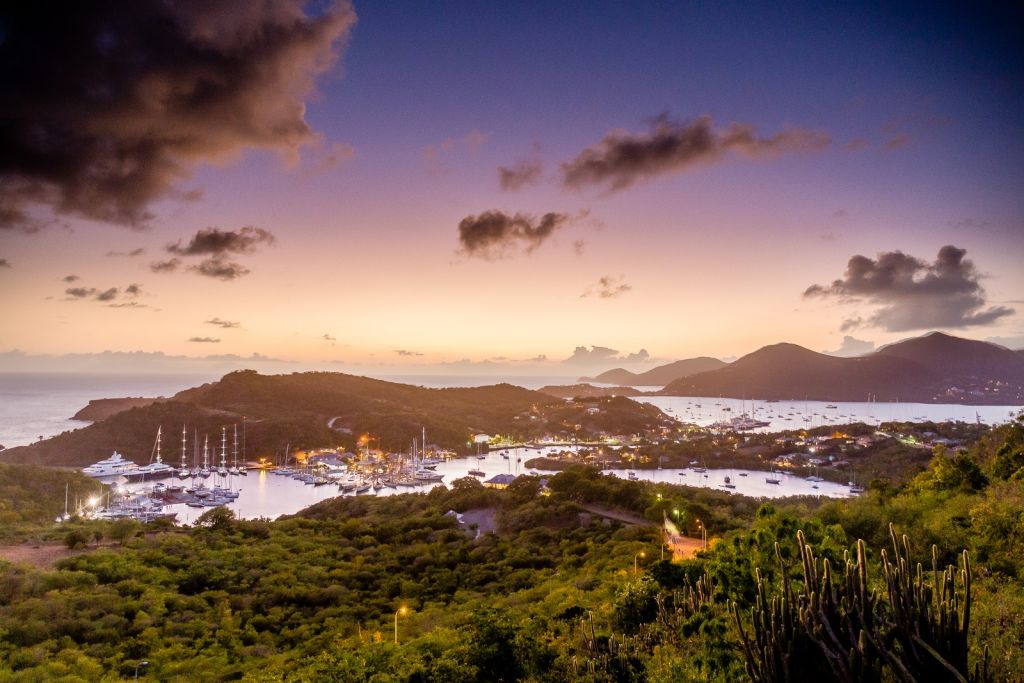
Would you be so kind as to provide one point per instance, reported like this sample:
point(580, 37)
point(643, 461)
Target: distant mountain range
point(935, 368)
point(659, 376)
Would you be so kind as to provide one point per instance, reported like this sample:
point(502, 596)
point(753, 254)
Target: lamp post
point(402, 611)
point(143, 663)
point(703, 535)
point(640, 554)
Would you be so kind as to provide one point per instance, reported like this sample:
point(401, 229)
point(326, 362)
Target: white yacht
point(110, 468)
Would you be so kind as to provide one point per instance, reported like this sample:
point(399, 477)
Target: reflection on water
point(264, 494)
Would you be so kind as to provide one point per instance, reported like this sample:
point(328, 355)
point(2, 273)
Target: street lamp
point(640, 554)
point(143, 663)
point(703, 535)
point(402, 611)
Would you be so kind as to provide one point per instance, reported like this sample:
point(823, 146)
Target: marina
point(270, 493)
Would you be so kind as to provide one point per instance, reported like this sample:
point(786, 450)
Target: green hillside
point(272, 411)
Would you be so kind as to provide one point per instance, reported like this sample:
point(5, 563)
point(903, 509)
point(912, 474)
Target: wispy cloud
point(225, 324)
point(204, 340)
point(134, 252)
point(404, 352)
point(607, 287)
point(71, 278)
point(218, 246)
point(470, 142)
point(622, 159)
point(523, 173)
point(4, 263)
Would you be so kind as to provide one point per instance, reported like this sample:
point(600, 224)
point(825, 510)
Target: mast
point(223, 446)
point(158, 444)
point(206, 451)
point(184, 464)
point(236, 445)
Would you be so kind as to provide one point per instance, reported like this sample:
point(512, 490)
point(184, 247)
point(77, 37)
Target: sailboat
point(223, 469)
point(236, 468)
point(156, 469)
point(205, 471)
point(772, 478)
point(183, 472)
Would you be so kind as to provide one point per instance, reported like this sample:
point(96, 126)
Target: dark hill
point(280, 409)
point(787, 371)
point(956, 358)
point(936, 368)
point(659, 376)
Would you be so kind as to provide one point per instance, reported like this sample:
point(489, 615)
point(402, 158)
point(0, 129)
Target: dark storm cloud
point(607, 287)
point(217, 242)
point(623, 158)
point(80, 292)
point(221, 269)
point(133, 289)
point(168, 266)
point(494, 234)
point(204, 340)
point(524, 173)
point(107, 294)
point(914, 294)
point(225, 324)
point(108, 105)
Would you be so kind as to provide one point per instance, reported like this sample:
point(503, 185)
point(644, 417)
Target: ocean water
point(40, 405)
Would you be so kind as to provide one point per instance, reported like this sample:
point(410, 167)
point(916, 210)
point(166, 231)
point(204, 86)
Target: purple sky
point(675, 180)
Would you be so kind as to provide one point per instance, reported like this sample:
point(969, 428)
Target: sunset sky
point(413, 185)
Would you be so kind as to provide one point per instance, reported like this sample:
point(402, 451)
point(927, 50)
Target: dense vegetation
point(295, 409)
point(551, 595)
point(31, 496)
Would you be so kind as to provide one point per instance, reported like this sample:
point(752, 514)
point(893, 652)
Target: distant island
point(659, 376)
point(935, 368)
point(587, 391)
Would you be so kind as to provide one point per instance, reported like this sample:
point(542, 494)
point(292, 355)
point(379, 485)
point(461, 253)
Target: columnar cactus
point(842, 629)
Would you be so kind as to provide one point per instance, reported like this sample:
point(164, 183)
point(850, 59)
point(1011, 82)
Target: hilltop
point(320, 409)
point(659, 376)
point(935, 368)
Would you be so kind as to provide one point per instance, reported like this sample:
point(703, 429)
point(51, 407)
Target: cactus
point(840, 629)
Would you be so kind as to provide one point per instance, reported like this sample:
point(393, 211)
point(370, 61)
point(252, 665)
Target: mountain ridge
point(933, 368)
point(659, 376)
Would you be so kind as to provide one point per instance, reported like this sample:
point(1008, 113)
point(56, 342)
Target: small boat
point(477, 473)
point(772, 479)
point(743, 474)
point(631, 476)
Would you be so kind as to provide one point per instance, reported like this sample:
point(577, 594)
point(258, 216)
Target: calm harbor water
point(783, 415)
point(264, 494)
